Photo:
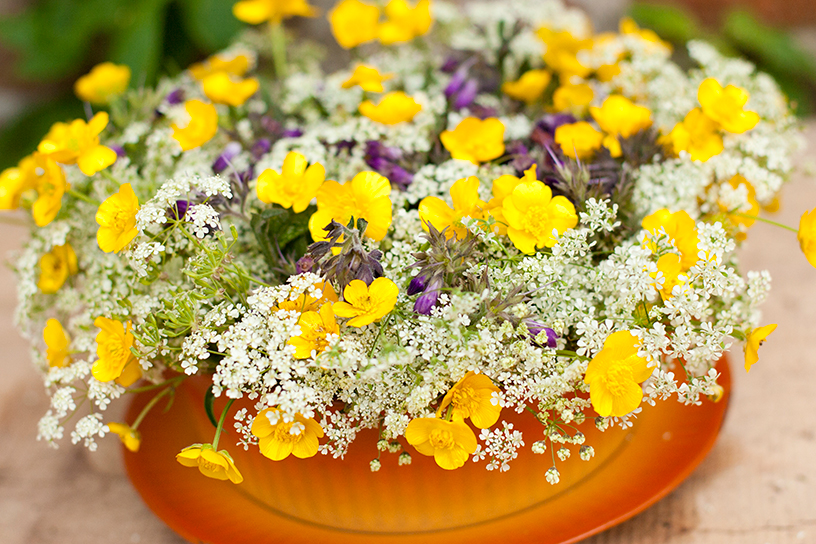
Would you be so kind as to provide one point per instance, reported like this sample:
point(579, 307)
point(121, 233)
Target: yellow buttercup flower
point(532, 214)
point(725, 106)
point(237, 65)
point(314, 329)
point(755, 339)
point(503, 186)
point(573, 98)
point(619, 116)
point(16, 181)
point(807, 235)
point(404, 23)
point(670, 268)
point(578, 140)
point(368, 78)
point(366, 196)
point(51, 186)
point(354, 23)
point(277, 438)
point(116, 361)
point(628, 26)
point(475, 396)
point(295, 186)
point(77, 143)
point(529, 87)
point(680, 228)
point(55, 267)
point(130, 437)
point(475, 140)
point(614, 375)
point(116, 217)
point(561, 52)
point(697, 134)
point(103, 82)
point(365, 304)
point(395, 107)
point(466, 203)
point(751, 206)
point(200, 129)
point(256, 12)
point(57, 343)
point(449, 442)
point(308, 303)
point(607, 72)
point(223, 88)
point(212, 464)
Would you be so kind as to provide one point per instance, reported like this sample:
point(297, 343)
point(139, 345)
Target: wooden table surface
point(758, 485)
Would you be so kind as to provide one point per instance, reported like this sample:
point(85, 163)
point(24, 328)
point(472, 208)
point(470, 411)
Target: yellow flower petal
point(354, 23)
point(396, 107)
point(475, 140)
point(104, 82)
point(752, 343)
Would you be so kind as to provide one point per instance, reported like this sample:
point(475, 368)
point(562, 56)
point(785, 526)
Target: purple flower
point(417, 285)
point(176, 97)
point(270, 125)
point(261, 148)
point(400, 177)
point(456, 83)
point(223, 160)
point(305, 264)
point(384, 159)
point(427, 300)
point(449, 65)
point(535, 328)
point(180, 209)
point(466, 95)
point(292, 133)
point(120, 151)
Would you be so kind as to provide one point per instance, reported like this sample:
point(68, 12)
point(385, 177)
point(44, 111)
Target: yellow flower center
point(464, 399)
point(441, 439)
point(537, 221)
point(121, 218)
point(618, 376)
point(364, 303)
point(287, 432)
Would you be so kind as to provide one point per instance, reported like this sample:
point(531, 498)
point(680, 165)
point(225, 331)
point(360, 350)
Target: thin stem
point(172, 382)
point(774, 223)
point(221, 424)
point(149, 406)
point(278, 49)
point(377, 339)
point(84, 198)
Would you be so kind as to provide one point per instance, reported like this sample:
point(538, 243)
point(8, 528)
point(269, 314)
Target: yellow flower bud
point(104, 82)
point(396, 107)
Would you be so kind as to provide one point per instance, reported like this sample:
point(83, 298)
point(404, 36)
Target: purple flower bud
point(482, 112)
point(417, 285)
point(346, 145)
point(292, 133)
point(261, 148)
point(551, 122)
point(535, 328)
point(450, 65)
point(120, 151)
point(427, 300)
point(270, 125)
point(176, 97)
point(456, 83)
point(180, 209)
point(466, 95)
point(223, 160)
point(304, 264)
point(400, 177)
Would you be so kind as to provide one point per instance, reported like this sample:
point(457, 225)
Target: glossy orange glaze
point(327, 500)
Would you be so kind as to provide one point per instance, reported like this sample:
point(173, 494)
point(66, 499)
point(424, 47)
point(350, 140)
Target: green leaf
point(209, 402)
point(138, 39)
point(671, 23)
point(210, 23)
point(773, 49)
point(280, 231)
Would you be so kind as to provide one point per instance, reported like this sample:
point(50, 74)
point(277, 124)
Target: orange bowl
point(341, 501)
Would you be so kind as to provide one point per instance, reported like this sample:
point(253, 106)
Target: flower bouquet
point(491, 211)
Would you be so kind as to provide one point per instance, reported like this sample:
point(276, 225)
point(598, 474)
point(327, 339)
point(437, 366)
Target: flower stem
point(278, 49)
point(774, 223)
point(84, 198)
point(149, 406)
point(383, 325)
point(221, 424)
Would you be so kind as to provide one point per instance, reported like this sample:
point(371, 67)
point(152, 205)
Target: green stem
point(82, 197)
point(221, 424)
point(278, 49)
point(172, 382)
point(383, 325)
point(149, 406)
point(774, 223)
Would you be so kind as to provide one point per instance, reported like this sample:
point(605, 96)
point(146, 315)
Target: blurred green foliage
point(741, 34)
point(59, 40)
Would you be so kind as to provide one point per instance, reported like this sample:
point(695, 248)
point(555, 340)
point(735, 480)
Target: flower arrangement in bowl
point(492, 211)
